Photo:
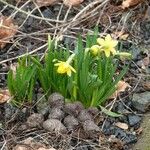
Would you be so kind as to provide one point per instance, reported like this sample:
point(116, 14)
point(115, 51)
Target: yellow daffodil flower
point(95, 49)
point(108, 45)
point(65, 67)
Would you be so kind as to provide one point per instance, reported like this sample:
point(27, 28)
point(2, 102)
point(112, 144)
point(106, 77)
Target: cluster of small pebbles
point(65, 118)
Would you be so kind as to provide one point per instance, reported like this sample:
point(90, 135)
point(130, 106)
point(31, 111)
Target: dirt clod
point(71, 122)
point(56, 100)
point(73, 108)
point(84, 115)
point(54, 125)
point(56, 113)
point(91, 128)
point(7, 30)
point(35, 120)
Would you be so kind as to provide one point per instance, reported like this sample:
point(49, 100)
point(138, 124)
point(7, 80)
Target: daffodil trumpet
point(65, 67)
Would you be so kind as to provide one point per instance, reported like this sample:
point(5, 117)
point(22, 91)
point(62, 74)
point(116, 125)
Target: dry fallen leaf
point(121, 35)
point(72, 2)
point(41, 148)
point(42, 3)
point(7, 30)
point(147, 13)
point(121, 87)
point(115, 143)
point(31, 144)
point(4, 96)
point(139, 131)
point(144, 63)
point(146, 85)
point(13, 67)
point(122, 125)
point(130, 3)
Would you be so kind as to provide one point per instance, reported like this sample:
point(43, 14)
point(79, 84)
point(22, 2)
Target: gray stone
point(133, 119)
point(141, 101)
point(54, 125)
point(9, 111)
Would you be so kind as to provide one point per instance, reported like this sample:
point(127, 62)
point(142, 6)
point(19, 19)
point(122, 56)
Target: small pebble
point(44, 111)
point(133, 120)
point(130, 139)
point(119, 133)
point(9, 111)
point(141, 101)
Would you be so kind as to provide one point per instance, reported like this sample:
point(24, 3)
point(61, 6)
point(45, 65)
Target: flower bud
point(95, 49)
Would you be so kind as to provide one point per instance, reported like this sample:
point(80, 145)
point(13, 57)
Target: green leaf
point(10, 82)
point(49, 42)
point(36, 61)
point(110, 113)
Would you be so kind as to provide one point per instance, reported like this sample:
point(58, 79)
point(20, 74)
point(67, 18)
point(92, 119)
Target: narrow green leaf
point(110, 113)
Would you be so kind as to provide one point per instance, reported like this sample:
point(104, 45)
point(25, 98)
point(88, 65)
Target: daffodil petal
point(69, 72)
point(57, 64)
point(113, 51)
point(101, 41)
point(72, 69)
point(114, 43)
point(108, 38)
point(107, 53)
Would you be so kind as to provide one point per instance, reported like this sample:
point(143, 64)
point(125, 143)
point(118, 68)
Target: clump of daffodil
point(108, 45)
point(65, 67)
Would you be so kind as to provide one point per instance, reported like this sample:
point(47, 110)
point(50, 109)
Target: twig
point(37, 49)
point(31, 15)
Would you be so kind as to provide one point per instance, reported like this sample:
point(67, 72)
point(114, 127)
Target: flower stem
point(71, 57)
point(75, 81)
